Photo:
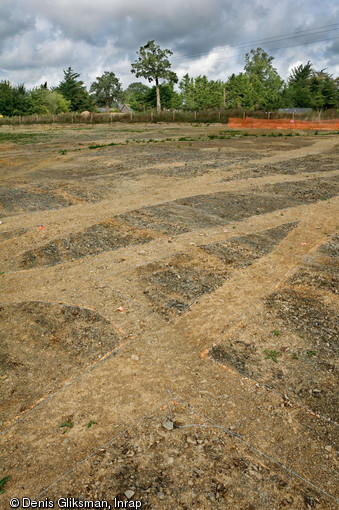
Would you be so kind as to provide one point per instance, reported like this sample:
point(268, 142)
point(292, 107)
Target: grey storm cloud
point(12, 20)
point(39, 38)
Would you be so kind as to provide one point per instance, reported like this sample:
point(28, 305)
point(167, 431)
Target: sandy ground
point(169, 317)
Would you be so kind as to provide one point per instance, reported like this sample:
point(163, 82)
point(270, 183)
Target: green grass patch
point(23, 137)
point(271, 355)
point(2, 484)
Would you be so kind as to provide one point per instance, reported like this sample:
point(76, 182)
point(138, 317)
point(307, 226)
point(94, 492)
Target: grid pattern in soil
point(169, 286)
point(149, 463)
point(294, 347)
point(109, 235)
point(42, 344)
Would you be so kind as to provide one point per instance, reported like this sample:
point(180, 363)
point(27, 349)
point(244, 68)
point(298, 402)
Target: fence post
point(131, 115)
point(151, 116)
point(72, 118)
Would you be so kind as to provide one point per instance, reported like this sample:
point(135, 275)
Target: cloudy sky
point(40, 38)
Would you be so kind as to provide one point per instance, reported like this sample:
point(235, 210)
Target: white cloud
point(40, 38)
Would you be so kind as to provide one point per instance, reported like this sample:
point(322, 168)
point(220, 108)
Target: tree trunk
point(158, 96)
point(107, 105)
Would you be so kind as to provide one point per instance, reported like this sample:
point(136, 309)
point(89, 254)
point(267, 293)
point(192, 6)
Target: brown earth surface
point(168, 310)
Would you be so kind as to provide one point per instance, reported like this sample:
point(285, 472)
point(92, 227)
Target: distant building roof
point(124, 108)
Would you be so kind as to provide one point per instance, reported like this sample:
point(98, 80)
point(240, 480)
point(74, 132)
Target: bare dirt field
point(169, 317)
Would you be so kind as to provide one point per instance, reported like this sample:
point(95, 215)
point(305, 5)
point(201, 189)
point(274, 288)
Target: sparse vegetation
point(66, 424)
point(272, 355)
point(92, 422)
point(3, 483)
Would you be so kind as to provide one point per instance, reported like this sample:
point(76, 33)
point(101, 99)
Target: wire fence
point(216, 115)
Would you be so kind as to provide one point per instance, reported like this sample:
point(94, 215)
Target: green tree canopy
point(135, 96)
point(298, 90)
point(153, 64)
point(307, 88)
point(170, 99)
point(74, 91)
point(200, 93)
point(106, 89)
point(44, 101)
point(264, 78)
point(14, 99)
point(239, 92)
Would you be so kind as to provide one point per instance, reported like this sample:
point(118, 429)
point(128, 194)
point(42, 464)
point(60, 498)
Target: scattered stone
point(328, 448)
point(134, 357)
point(129, 493)
point(168, 425)
point(161, 495)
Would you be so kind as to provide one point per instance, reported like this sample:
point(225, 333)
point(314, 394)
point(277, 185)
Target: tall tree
point(153, 64)
point(264, 78)
point(135, 96)
point(187, 92)
point(298, 91)
point(106, 88)
point(239, 92)
point(75, 91)
point(14, 99)
point(201, 93)
point(170, 99)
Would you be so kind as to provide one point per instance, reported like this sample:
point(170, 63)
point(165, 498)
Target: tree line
point(258, 87)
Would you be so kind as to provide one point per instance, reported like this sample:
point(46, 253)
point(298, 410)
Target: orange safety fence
point(249, 122)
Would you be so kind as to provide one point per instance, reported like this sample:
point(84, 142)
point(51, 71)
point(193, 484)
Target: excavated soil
point(44, 344)
point(172, 285)
point(300, 324)
point(169, 317)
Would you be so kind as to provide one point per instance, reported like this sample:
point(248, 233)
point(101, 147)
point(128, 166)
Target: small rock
point(135, 357)
point(168, 425)
point(161, 495)
point(129, 493)
point(328, 448)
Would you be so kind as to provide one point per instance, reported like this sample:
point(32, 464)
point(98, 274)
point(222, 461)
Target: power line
point(280, 47)
point(303, 33)
point(283, 37)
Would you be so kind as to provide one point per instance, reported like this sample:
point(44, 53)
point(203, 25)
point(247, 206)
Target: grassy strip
point(22, 137)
